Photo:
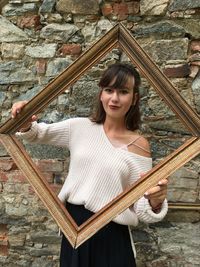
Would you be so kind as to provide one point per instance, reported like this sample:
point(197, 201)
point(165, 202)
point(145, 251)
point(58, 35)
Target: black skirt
point(109, 247)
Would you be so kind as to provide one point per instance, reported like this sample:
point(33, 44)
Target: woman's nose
point(115, 96)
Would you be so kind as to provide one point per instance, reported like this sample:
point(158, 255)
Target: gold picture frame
point(120, 37)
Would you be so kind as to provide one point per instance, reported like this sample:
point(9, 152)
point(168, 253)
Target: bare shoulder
point(140, 145)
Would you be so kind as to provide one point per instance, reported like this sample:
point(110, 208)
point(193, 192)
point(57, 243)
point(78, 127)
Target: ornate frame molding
point(118, 36)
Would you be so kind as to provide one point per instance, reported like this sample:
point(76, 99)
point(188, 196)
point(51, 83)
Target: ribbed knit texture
point(98, 171)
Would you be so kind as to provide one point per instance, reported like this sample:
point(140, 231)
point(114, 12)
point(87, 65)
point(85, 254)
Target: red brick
point(31, 190)
point(56, 188)
point(107, 9)
point(7, 164)
point(121, 10)
point(3, 240)
point(41, 66)
point(177, 71)
point(194, 57)
point(16, 177)
point(3, 177)
point(70, 49)
point(195, 63)
point(49, 165)
point(3, 229)
point(30, 22)
point(48, 176)
point(3, 250)
point(133, 7)
point(193, 70)
point(195, 46)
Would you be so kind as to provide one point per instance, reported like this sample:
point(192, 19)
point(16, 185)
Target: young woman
point(107, 154)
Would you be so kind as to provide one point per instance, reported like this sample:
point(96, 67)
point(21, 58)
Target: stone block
point(107, 9)
point(157, 7)
point(184, 183)
point(16, 1)
point(177, 71)
point(13, 72)
point(41, 66)
point(41, 252)
point(17, 211)
point(195, 46)
point(133, 7)
point(50, 165)
point(47, 151)
point(45, 238)
point(3, 235)
point(16, 188)
point(178, 5)
point(56, 66)
point(191, 26)
point(160, 30)
point(3, 251)
point(120, 8)
point(17, 240)
point(164, 50)
point(78, 7)
point(16, 177)
point(47, 6)
point(58, 32)
point(10, 33)
point(70, 49)
point(7, 164)
point(15, 10)
point(30, 22)
point(48, 176)
point(195, 58)
point(187, 216)
point(194, 69)
point(179, 195)
point(12, 51)
point(56, 188)
point(41, 51)
point(184, 172)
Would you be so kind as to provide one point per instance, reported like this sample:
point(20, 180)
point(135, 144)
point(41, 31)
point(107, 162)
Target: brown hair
point(122, 72)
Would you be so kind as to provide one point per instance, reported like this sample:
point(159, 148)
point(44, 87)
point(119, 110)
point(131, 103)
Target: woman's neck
point(114, 126)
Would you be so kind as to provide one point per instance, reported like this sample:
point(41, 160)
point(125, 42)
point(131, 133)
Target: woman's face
point(117, 101)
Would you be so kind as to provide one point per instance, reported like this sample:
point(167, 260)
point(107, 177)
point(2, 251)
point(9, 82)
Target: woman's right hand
point(16, 109)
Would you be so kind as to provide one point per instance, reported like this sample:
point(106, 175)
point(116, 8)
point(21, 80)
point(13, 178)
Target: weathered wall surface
point(39, 39)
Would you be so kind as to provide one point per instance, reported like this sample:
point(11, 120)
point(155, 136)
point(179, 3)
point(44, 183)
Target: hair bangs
point(121, 79)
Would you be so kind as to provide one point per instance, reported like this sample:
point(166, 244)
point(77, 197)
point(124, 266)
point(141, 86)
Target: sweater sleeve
point(57, 134)
point(144, 211)
point(142, 208)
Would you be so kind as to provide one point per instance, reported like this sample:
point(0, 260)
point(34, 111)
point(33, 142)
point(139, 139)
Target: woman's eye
point(107, 89)
point(123, 91)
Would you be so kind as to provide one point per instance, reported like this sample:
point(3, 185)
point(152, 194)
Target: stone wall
point(39, 39)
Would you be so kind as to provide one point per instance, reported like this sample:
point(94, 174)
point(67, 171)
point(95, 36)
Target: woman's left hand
point(157, 194)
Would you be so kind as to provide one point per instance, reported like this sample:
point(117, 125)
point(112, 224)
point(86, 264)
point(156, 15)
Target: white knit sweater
point(98, 171)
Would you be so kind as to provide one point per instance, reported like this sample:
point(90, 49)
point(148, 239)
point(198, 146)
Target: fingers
point(34, 118)
point(17, 107)
point(163, 182)
point(158, 192)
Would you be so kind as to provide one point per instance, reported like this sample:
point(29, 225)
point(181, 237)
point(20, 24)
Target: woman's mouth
point(113, 107)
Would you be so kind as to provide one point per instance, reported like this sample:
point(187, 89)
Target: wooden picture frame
point(118, 36)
